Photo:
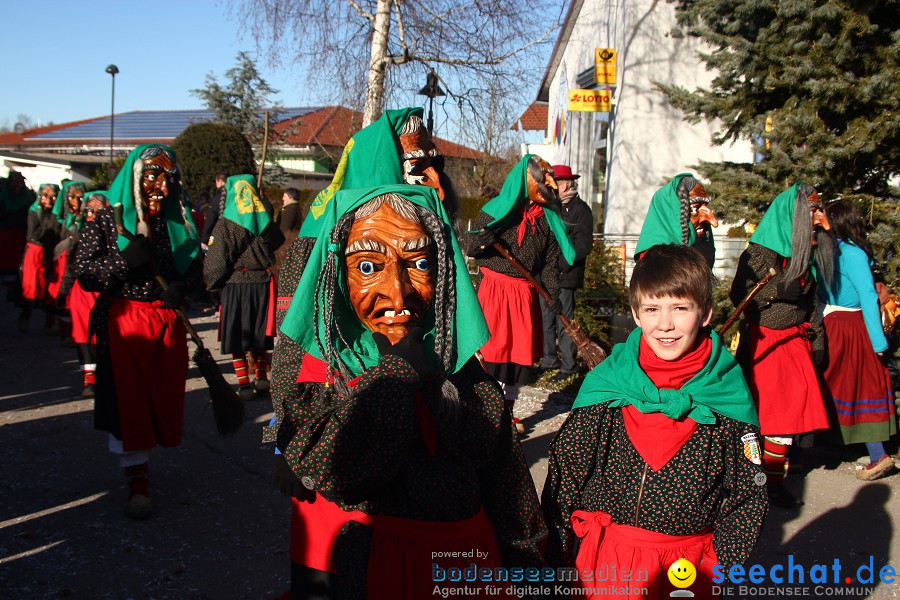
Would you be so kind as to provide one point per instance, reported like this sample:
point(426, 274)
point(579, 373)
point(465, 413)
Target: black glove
point(174, 296)
point(138, 253)
point(410, 348)
point(482, 242)
point(286, 481)
point(789, 292)
point(555, 307)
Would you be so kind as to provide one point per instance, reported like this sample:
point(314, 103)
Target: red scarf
point(529, 215)
point(656, 437)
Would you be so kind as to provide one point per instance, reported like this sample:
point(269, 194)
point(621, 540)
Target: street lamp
point(112, 70)
point(431, 90)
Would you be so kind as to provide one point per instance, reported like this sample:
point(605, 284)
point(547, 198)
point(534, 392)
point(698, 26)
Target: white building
point(625, 155)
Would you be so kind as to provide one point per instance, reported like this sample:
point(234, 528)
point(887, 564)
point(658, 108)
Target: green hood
point(371, 157)
point(243, 205)
point(514, 194)
point(61, 211)
point(468, 328)
point(663, 222)
point(36, 203)
point(11, 203)
point(719, 387)
point(125, 190)
point(776, 229)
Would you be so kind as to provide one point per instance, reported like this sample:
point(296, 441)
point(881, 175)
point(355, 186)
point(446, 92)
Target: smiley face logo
point(682, 573)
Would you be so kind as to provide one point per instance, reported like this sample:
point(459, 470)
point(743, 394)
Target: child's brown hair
point(671, 270)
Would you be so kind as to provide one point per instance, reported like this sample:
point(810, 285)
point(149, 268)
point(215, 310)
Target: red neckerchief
point(656, 437)
point(529, 215)
point(314, 370)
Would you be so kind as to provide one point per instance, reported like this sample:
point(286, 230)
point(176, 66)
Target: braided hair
point(684, 196)
point(330, 338)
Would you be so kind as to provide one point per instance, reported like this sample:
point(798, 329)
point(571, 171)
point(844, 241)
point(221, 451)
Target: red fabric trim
point(12, 247)
point(270, 307)
point(605, 545)
point(656, 437)
point(34, 281)
point(314, 529)
point(80, 304)
point(513, 316)
point(530, 214)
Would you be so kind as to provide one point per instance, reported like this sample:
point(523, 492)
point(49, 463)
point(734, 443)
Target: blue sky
point(55, 54)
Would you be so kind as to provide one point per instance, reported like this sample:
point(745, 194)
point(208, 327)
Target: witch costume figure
point(783, 332)
point(239, 263)
point(40, 272)
point(69, 210)
point(401, 444)
point(74, 299)
point(142, 355)
point(680, 213)
point(524, 220)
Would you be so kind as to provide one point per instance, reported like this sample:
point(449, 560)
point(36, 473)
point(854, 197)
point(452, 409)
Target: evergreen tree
point(815, 85)
point(242, 102)
point(204, 149)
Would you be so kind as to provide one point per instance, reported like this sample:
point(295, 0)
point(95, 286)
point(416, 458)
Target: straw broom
point(228, 410)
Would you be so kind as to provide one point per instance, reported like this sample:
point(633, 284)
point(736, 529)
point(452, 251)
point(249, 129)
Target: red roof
point(18, 139)
point(534, 118)
point(335, 125)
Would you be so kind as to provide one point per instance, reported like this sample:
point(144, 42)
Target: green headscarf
point(776, 229)
point(61, 209)
point(243, 205)
point(36, 205)
point(11, 203)
point(504, 208)
point(719, 387)
point(125, 190)
point(663, 222)
point(371, 157)
point(468, 327)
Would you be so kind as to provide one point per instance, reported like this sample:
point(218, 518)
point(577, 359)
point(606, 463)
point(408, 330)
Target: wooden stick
point(740, 307)
point(262, 163)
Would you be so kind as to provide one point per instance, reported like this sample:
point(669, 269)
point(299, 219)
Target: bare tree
point(354, 44)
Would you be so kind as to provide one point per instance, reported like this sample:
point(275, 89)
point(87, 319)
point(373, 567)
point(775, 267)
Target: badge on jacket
point(751, 448)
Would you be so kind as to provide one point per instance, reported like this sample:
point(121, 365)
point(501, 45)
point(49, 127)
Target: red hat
point(564, 172)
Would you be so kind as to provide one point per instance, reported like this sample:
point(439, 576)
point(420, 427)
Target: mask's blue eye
point(422, 264)
point(366, 267)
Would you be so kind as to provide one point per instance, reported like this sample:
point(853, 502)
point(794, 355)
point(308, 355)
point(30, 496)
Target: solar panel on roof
point(148, 125)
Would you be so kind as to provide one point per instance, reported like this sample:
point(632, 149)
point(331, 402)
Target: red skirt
point(12, 247)
point(149, 353)
point(858, 382)
point(783, 381)
point(80, 303)
point(513, 316)
point(403, 551)
point(608, 549)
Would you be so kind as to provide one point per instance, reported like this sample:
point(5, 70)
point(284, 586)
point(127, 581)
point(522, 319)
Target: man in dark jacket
point(577, 216)
point(216, 206)
point(290, 218)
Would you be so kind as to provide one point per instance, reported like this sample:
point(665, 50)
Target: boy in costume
point(400, 441)
point(679, 213)
point(40, 275)
point(142, 355)
point(659, 459)
point(524, 219)
point(75, 299)
point(238, 262)
point(783, 332)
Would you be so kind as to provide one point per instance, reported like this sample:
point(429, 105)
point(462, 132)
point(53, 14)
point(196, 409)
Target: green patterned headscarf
point(468, 326)
point(514, 194)
point(61, 208)
point(663, 222)
point(719, 387)
point(243, 205)
point(371, 157)
point(125, 190)
point(36, 205)
point(776, 229)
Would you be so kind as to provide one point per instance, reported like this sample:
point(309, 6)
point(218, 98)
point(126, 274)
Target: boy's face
point(670, 324)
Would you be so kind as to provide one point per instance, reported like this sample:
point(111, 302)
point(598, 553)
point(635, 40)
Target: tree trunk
point(377, 63)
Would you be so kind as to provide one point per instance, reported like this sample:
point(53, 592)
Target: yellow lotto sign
point(590, 100)
point(605, 66)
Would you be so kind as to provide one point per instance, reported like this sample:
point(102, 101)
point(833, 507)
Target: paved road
point(220, 531)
